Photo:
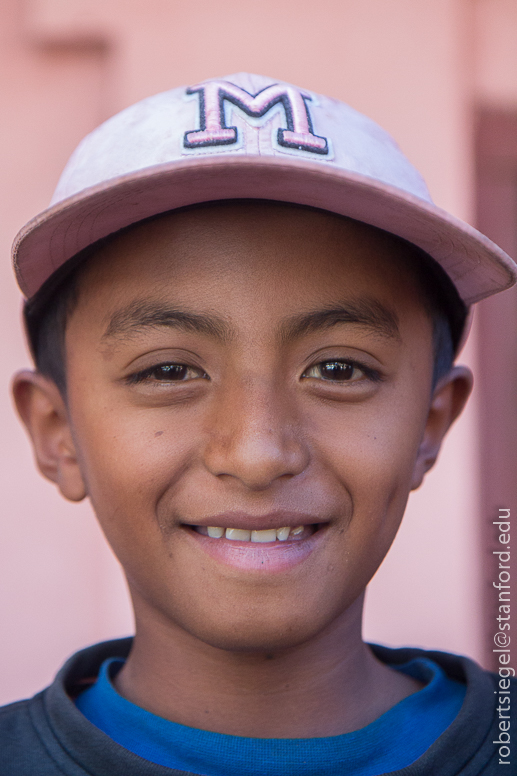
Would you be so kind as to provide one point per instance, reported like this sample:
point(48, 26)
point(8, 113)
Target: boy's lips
point(270, 543)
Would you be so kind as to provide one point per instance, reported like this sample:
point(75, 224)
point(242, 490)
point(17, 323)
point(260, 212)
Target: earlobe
point(44, 414)
point(449, 398)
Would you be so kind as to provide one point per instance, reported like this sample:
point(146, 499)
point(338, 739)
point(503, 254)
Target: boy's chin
point(256, 637)
point(265, 629)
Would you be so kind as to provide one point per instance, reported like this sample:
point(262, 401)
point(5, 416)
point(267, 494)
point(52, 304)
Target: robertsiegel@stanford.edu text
point(502, 636)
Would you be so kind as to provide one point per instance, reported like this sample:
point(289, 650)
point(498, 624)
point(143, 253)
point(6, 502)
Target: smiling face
point(249, 392)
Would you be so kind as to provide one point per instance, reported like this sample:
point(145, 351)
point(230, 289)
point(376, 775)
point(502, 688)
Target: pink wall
point(64, 67)
point(495, 65)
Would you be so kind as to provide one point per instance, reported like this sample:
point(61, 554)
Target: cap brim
point(474, 263)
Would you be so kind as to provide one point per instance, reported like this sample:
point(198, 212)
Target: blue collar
point(393, 741)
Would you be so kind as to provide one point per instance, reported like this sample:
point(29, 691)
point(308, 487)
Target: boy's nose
point(255, 438)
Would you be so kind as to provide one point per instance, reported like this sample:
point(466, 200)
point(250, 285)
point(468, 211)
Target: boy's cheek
point(145, 452)
point(142, 474)
point(140, 479)
point(146, 464)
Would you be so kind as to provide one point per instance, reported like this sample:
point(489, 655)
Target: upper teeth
point(244, 535)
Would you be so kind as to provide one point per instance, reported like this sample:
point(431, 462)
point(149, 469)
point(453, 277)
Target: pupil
point(171, 372)
point(337, 370)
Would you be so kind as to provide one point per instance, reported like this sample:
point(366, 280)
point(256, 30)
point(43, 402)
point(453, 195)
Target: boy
point(244, 310)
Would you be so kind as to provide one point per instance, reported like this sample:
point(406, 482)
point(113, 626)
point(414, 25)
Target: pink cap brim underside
point(475, 264)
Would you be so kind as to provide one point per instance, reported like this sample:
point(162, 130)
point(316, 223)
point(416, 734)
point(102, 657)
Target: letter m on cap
point(213, 131)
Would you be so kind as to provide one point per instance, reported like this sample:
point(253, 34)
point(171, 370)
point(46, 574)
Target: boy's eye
point(337, 371)
point(168, 373)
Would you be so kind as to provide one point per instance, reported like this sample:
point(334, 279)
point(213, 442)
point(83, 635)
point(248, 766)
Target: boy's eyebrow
point(144, 315)
point(369, 313)
point(140, 315)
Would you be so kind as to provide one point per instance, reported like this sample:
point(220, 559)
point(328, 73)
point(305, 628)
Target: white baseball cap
point(248, 137)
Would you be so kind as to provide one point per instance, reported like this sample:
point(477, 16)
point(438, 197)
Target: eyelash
point(147, 374)
point(371, 374)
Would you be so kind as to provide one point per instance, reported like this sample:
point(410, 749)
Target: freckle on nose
point(158, 433)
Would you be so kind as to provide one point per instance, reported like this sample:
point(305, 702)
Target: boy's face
point(249, 367)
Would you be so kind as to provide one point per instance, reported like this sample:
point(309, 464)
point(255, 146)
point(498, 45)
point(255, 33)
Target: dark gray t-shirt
point(48, 736)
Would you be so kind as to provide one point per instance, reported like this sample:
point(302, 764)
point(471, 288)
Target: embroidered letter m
point(213, 131)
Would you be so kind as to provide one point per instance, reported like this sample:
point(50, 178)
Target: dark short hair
point(47, 313)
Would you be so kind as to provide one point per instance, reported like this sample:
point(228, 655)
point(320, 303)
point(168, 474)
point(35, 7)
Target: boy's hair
point(47, 313)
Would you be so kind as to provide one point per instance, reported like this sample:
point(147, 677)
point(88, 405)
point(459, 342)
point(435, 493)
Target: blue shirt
point(393, 741)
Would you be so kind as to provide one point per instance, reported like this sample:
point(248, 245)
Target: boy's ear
point(448, 400)
point(44, 413)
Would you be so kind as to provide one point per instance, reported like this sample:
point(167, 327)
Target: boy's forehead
point(252, 224)
point(241, 235)
point(252, 251)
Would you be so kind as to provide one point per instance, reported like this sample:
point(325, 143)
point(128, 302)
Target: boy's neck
point(328, 686)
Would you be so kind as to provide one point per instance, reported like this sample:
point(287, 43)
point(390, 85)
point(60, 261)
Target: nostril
point(257, 471)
